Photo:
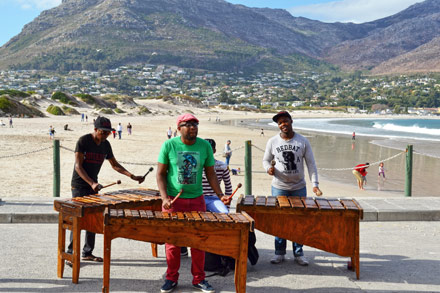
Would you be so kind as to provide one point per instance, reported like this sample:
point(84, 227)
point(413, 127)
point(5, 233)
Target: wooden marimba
point(331, 225)
point(86, 213)
point(225, 234)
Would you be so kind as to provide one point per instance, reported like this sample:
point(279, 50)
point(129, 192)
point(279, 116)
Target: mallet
point(238, 186)
point(149, 170)
point(273, 163)
point(108, 185)
point(177, 196)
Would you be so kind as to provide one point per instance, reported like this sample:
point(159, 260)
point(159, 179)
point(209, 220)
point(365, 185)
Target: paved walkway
point(40, 210)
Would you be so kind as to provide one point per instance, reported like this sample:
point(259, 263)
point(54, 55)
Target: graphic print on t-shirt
point(187, 164)
point(289, 161)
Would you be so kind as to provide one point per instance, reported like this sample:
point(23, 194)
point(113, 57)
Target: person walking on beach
point(227, 152)
point(90, 152)
point(129, 128)
point(180, 167)
point(262, 132)
point(51, 132)
point(284, 159)
point(360, 172)
point(381, 171)
point(120, 130)
point(10, 123)
point(169, 132)
point(353, 136)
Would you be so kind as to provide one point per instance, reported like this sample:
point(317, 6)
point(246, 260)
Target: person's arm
point(161, 179)
point(118, 167)
point(213, 181)
point(227, 180)
point(79, 160)
point(311, 168)
point(267, 159)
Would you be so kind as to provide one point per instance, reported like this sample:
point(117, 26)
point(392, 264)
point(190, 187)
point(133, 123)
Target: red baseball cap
point(186, 117)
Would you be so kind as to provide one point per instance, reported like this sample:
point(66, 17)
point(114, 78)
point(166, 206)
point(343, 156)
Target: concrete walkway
point(40, 210)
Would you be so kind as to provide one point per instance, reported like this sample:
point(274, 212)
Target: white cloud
point(357, 11)
point(38, 4)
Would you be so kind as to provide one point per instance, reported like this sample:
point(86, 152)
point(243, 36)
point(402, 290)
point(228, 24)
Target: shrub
point(106, 111)
point(5, 104)
point(55, 110)
point(14, 93)
point(70, 111)
point(86, 98)
point(119, 111)
point(143, 110)
point(63, 98)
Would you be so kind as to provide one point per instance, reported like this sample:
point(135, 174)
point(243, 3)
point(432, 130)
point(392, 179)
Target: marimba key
point(283, 202)
point(336, 204)
point(323, 204)
point(260, 201)
point(296, 202)
point(309, 203)
point(271, 201)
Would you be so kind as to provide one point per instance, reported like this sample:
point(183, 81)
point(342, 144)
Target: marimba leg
point(61, 246)
point(107, 256)
point(76, 231)
point(241, 264)
point(154, 249)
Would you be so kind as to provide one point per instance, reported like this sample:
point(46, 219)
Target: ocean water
point(377, 140)
point(418, 129)
point(423, 134)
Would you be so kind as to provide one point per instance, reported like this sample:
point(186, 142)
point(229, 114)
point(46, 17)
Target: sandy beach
point(27, 166)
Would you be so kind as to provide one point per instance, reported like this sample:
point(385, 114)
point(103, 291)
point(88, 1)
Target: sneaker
point(301, 260)
point(168, 286)
point(183, 251)
point(276, 259)
point(204, 287)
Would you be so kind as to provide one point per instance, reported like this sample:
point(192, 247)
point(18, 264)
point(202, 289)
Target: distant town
point(412, 94)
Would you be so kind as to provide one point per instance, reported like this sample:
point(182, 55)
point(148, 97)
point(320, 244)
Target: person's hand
point(271, 171)
point(139, 179)
point(226, 200)
point(166, 203)
point(96, 186)
point(317, 191)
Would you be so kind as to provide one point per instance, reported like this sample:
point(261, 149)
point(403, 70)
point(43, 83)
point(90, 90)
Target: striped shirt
point(222, 172)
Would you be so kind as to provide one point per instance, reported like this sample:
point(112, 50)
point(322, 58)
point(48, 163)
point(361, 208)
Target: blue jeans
point(280, 243)
point(228, 158)
point(215, 205)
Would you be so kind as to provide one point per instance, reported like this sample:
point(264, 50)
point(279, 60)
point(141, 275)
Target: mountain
point(211, 34)
point(217, 35)
point(394, 44)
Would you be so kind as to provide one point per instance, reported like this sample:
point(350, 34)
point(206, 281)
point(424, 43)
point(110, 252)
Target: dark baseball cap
point(104, 124)
point(281, 114)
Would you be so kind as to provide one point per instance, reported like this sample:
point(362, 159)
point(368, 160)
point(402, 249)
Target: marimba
point(331, 225)
point(225, 234)
point(86, 213)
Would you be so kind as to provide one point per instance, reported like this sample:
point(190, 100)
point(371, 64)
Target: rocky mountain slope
point(217, 35)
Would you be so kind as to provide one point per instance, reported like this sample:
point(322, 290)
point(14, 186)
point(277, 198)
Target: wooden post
point(409, 163)
point(248, 167)
point(56, 168)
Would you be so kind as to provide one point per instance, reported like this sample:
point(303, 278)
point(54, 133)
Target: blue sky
point(14, 14)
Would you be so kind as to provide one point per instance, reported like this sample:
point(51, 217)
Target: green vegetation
point(55, 110)
point(63, 98)
point(143, 110)
point(14, 93)
point(70, 111)
point(5, 104)
point(119, 111)
point(86, 98)
point(106, 111)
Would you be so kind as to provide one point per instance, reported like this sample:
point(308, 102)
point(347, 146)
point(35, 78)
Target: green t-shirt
point(185, 165)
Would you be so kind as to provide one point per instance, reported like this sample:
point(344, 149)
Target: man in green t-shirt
point(180, 167)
